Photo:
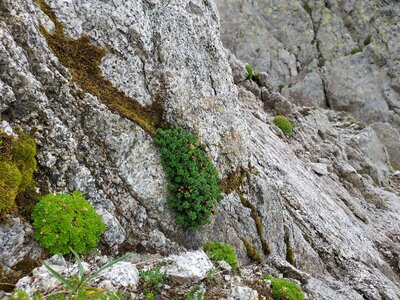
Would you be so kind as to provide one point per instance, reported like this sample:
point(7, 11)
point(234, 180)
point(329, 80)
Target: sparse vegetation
point(283, 289)
point(66, 221)
point(284, 124)
point(153, 282)
point(220, 251)
point(193, 186)
point(367, 40)
point(356, 50)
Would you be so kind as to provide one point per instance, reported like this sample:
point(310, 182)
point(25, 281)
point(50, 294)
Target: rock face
point(338, 54)
point(306, 197)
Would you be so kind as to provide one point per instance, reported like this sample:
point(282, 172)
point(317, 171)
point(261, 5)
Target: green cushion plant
point(193, 185)
point(284, 124)
point(283, 289)
point(220, 251)
point(66, 221)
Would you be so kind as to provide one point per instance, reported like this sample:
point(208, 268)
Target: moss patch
point(83, 60)
point(17, 165)
point(283, 289)
point(252, 253)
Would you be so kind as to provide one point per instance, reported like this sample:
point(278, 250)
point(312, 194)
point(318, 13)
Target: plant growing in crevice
point(252, 253)
point(283, 289)
point(251, 75)
point(284, 124)
point(367, 40)
point(290, 257)
point(308, 9)
point(193, 181)
point(217, 251)
point(66, 221)
point(356, 50)
point(83, 59)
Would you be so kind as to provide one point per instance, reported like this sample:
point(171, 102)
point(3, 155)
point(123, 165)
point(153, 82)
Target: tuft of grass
point(283, 289)
point(249, 70)
point(356, 50)
point(284, 124)
point(83, 59)
point(280, 87)
point(220, 251)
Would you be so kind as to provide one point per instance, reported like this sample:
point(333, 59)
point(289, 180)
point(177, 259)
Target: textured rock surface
point(308, 46)
point(343, 229)
point(192, 266)
point(242, 293)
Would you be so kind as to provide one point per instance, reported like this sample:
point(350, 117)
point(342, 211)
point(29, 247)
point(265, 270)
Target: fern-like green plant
point(193, 181)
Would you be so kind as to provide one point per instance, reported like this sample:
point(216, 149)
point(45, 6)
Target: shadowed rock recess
point(92, 80)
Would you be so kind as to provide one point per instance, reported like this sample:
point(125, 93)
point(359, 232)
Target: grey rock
point(17, 242)
point(369, 156)
point(224, 265)
point(390, 138)
point(188, 266)
point(242, 293)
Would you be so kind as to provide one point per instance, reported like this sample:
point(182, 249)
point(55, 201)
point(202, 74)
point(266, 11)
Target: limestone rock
point(188, 266)
point(243, 293)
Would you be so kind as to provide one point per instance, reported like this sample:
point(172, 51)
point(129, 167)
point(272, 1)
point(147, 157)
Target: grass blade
point(81, 270)
point(61, 278)
point(106, 266)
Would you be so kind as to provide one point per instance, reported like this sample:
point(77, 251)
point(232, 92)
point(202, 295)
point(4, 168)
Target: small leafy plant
point(153, 281)
point(284, 124)
point(220, 251)
point(283, 289)
point(193, 186)
point(77, 287)
point(66, 221)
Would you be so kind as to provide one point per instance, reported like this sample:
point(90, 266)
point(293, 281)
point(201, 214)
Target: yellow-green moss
point(17, 165)
point(252, 253)
point(10, 180)
point(83, 59)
